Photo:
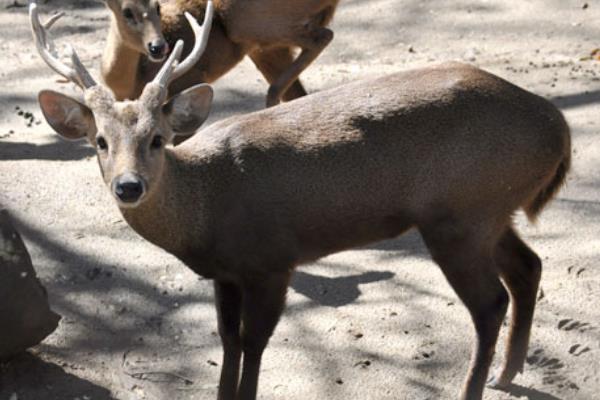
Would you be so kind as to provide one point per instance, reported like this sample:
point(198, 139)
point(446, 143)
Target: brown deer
point(266, 30)
point(450, 150)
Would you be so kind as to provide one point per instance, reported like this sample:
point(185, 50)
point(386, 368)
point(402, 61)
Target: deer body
point(266, 30)
point(451, 150)
point(315, 177)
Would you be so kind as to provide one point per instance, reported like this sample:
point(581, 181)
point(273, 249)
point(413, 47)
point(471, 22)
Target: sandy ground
point(373, 323)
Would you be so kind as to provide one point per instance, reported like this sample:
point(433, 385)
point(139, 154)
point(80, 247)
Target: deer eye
point(101, 142)
point(128, 14)
point(157, 142)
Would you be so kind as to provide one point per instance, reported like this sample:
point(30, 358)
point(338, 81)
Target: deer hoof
point(496, 382)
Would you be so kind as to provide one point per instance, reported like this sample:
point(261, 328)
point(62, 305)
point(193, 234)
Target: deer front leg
point(312, 45)
point(229, 303)
point(263, 302)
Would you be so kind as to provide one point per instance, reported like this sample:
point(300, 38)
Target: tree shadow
point(57, 150)
point(335, 292)
point(576, 99)
point(79, 273)
point(22, 5)
point(528, 393)
point(31, 378)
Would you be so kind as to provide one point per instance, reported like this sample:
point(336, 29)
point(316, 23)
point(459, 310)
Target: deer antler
point(169, 71)
point(45, 46)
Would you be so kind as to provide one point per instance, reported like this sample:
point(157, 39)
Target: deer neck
point(121, 65)
point(163, 218)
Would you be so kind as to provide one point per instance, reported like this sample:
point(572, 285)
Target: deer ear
point(69, 118)
point(186, 111)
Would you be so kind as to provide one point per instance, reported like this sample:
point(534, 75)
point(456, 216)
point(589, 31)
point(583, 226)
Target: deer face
point(129, 136)
point(139, 25)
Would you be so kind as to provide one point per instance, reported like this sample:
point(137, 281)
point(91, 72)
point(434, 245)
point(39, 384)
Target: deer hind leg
point(465, 257)
point(314, 37)
point(229, 307)
point(262, 305)
point(520, 270)
point(272, 62)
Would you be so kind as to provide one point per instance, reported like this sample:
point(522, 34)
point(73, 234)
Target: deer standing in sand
point(450, 150)
point(142, 32)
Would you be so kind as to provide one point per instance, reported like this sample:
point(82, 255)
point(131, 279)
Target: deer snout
point(158, 49)
point(128, 188)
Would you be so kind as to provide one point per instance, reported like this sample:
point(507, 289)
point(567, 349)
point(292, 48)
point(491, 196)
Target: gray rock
point(25, 315)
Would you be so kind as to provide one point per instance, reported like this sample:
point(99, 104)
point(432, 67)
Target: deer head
point(129, 136)
point(139, 26)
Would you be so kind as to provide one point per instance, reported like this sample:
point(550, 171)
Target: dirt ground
point(373, 323)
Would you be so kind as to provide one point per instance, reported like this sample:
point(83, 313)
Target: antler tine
point(163, 77)
point(44, 45)
point(169, 71)
point(201, 39)
point(82, 73)
point(48, 24)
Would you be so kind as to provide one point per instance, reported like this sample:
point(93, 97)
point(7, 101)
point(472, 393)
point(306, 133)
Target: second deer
point(142, 32)
point(450, 150)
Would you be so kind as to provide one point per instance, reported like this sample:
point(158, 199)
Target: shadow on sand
point(30, 378)
point(528, 393)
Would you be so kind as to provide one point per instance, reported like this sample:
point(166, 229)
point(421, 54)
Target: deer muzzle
point(129, 189)
point(158, 50)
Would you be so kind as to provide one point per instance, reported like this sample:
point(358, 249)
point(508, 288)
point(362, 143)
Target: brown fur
point(238, 30)
point(450, 150)
point(548, 193)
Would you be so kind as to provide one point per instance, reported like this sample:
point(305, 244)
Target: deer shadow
point(338, 291)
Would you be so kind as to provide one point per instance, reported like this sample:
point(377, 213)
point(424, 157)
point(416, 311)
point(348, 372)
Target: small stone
point(363, 364)
point(471, 54)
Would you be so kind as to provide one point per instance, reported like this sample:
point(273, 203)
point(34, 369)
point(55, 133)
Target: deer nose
point(128, 187)
point(158, 49)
